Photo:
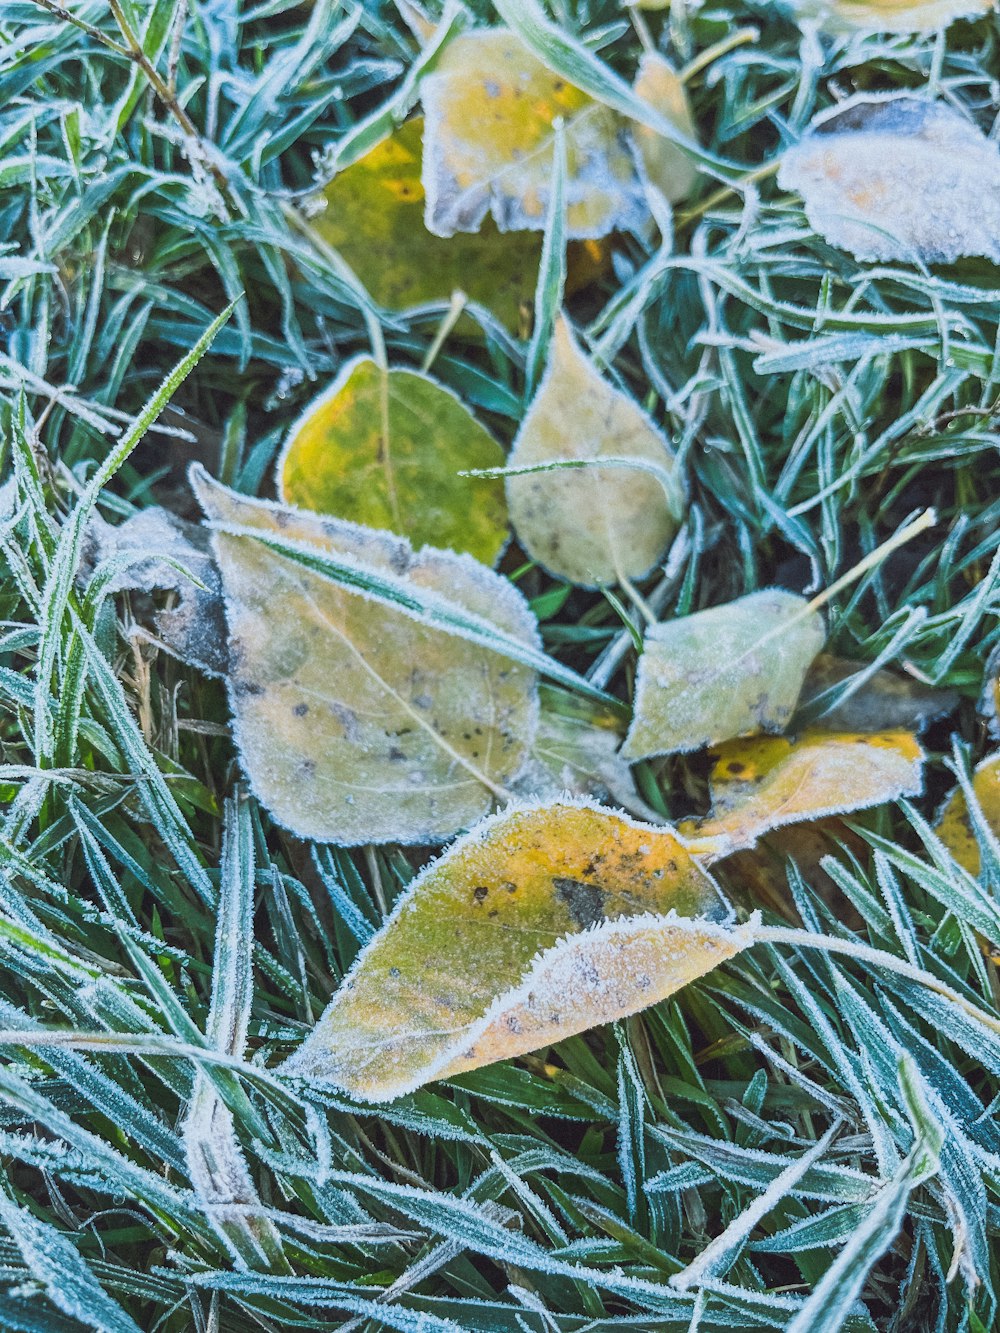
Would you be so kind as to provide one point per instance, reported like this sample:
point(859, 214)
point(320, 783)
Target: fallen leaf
point(155, 551)
point(759, 785)
point(870, 16)
point(385, 447)
point(576, 752)
point(356, 721)
point(898, 177)
point(490, 107)
point(733, 670)
point(667, 167)
point(372, 214)
point(591, 525)
point(883, 702)
point(540, 923)
point(954, 826)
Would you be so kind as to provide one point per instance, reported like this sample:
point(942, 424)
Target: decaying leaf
point(373, 215)
point(733, 670)
point(490, 106)
point(955, 828)
point(758, 785)
point(385, 447)
point(155, 551)
point(667, 167)
point(844, 16)
point(540, 923)
point(356, 721)
point(884, 702)
point(591, 525)
point(576, 751)
point(898, 177)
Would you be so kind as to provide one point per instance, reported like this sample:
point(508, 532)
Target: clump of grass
point(161, 943)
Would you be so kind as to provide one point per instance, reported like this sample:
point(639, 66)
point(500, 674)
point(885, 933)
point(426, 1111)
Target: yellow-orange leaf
point(759, 785)
point(955, 828)
point(540, 923)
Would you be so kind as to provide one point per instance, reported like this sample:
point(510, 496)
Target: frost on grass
point(490, 107)
point(357, 721)
point(155, 551)
point(543, 921)
point(898, 177)
point(387, 447)
point(733, 670)
point(757, 785)
point(591, 525)
point(871, 16)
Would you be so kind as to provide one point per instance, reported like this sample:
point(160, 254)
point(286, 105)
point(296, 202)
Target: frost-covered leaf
point(666, 166)
point(155, 551)
point(385, 447)
point(540, 923)
point(588, 524)
point(989, 699)
point(955, 828)
point(758, 785)
point(357, 721)
point(372, 213)
point(576, 750)
point(884, 702)
point(898, 177)
point(733, 670)
point(489, 140)
point(845, 16)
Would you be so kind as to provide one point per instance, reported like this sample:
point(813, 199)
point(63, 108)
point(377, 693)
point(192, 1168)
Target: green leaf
point(385, 447)
point(734, 670)
point(586, 523)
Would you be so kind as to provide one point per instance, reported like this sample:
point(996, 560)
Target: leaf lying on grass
point(955, 827)
point(733, 670)
point(386, 447)
point(843, 16)
point(898, 177)
point(538, 924)
point(155, 551)
point(357, 722)
point(591, 525)
point(758, 785)
point(373, 215)
point(882, 702)
point(490, 106)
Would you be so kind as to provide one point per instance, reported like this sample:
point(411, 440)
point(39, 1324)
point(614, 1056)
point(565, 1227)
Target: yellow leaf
point(733, 670)
point(489, 109)
point(954, 826)
point(357, 721)
point(843, 16)
point(591, 525)
point(373, 215)
point(759, 785)
point(898, 177)
point(668, 167)
point(385, 448)
point(540, 923)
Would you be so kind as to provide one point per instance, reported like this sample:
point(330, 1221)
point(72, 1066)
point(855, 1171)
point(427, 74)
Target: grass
point(162, 944)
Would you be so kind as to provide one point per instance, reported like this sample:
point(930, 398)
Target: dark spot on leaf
point(585, 902)
point(734, 766)
point(480, 892)
point(300, 710)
